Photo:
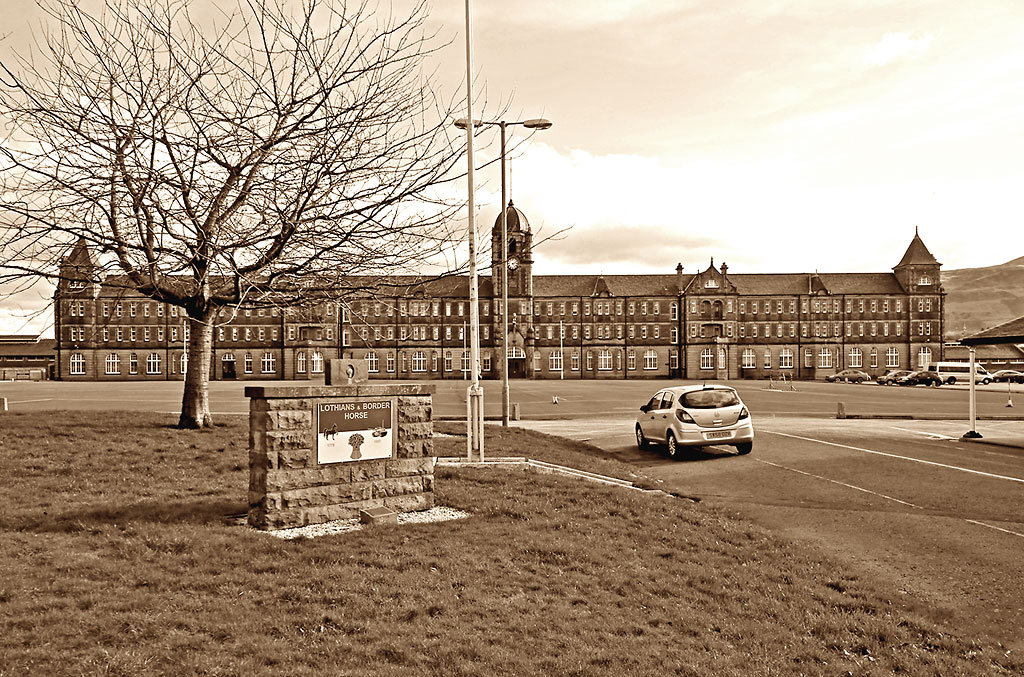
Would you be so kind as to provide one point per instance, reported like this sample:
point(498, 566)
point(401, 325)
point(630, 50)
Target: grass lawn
point(118, 558)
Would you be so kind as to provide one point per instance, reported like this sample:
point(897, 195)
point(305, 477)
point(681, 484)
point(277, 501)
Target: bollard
point(3, 404)
point(841, 413)
point(515, 411)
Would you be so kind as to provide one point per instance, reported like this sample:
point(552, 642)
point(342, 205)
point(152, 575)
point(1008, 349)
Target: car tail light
point(683, 416)
point(744, 413)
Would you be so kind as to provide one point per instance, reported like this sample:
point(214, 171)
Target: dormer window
point(711, 283)
point(76, 285)
point(924, 280)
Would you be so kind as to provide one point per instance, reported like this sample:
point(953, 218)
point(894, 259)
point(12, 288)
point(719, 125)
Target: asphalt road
point(906, 502)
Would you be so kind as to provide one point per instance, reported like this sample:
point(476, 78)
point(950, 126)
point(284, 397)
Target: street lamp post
point(535, 123)
point(474, 394)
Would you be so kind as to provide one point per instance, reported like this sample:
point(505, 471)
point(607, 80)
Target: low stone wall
point(290, 484)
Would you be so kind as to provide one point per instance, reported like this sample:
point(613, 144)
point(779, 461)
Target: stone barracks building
point(713, 324)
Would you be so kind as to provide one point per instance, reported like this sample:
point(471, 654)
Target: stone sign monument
point(324, 453)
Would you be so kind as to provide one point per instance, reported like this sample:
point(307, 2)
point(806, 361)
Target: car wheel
point(858, 381)
point(670, 443)
point(641, 441)
point(951, 380)
point(744, 448)
point(936, 384)
point(985, 381)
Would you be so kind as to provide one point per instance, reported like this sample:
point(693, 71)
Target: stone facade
point(289, 488)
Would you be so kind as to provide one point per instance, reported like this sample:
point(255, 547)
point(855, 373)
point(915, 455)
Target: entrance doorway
point(227, 367)
point(517, 367)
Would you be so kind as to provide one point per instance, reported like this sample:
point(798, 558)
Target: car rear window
point(710, 399)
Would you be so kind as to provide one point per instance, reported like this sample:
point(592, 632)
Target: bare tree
point(269, 157)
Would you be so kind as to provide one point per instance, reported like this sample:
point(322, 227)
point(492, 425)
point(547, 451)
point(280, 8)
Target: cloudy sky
point(774, 135)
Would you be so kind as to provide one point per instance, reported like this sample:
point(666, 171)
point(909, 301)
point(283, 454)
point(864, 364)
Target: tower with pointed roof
point(919, 274)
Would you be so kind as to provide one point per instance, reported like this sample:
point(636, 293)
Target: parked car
point(849, 375)
point(1008, 375)
point(892, 376)
point(927, 378)
point(695, 416)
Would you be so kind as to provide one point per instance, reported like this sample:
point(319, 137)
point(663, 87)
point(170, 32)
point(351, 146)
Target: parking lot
point(903, 500)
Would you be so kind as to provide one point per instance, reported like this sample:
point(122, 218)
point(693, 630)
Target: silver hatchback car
point(695, 416)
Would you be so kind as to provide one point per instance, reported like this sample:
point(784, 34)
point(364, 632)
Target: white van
point(953, 372)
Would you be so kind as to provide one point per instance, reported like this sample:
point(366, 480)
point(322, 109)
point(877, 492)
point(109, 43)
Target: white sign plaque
point(356, 430)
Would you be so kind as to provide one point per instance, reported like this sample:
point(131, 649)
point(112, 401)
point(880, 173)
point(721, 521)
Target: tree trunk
point(195, 401)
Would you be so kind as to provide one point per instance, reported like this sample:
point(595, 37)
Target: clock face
point(513, 263)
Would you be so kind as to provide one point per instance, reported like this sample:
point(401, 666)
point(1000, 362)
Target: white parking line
point(45, 399)
point(842, 484)
point(930, 435)
point(1005, 531)
point(902, 458)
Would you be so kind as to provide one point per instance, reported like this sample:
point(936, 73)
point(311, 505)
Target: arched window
point(300, 362)
point(76, 365)
point(924, 356)
point(113, 364)
point(316, 362)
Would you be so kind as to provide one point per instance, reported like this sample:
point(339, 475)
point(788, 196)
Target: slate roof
point(1008, 332)
point(617, 285)
point(984, 352)
point(28, 348)
point(917, 254)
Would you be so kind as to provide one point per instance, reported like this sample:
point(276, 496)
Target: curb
point(544, 466)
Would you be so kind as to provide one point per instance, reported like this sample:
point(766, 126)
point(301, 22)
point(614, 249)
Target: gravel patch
point(435, 514)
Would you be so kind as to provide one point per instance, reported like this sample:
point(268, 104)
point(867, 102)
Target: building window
point(825, 358)
point(391, 358)
point(874, 357)
point(77, 364)
point(604, 360)
point(372, 362)
point(268, 365)
point(856, 358)
point(574, 361)
point(316, 362)
point(924, 356)
point(555, 361)
point(808, 358)
point(153, 363)
point(419, 361)
point(113, 364)
point(749, 359)
point(247, 363)
point(892, 357)
point(786, 358)
point(464, 363)
point(767, 358)
point(300, 362)
point(707, 359)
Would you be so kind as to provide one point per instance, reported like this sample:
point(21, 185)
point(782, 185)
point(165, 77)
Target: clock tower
point(519, 262)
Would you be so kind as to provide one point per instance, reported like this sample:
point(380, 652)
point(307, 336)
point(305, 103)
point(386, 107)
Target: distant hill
point(979, 298)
